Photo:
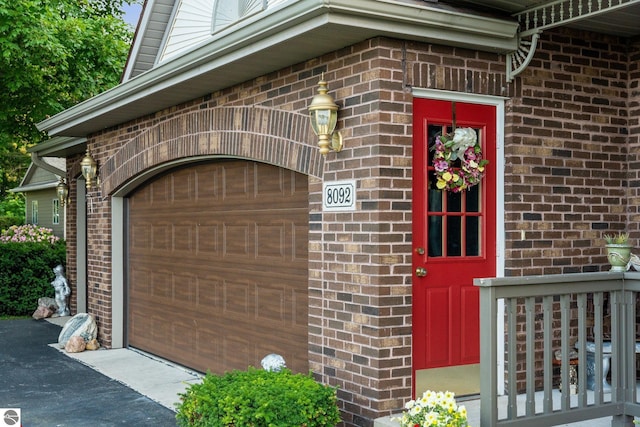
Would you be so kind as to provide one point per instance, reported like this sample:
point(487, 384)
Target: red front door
point(454, 238)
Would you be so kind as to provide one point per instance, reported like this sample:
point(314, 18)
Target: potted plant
point(434, 409)
point(618, 250)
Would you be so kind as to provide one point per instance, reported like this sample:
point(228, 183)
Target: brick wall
point(566, 162)
point(634, 141)
point(566, 154)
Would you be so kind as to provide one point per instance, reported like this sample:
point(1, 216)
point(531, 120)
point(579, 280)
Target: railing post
point(488, 355)
point(620, 347)
point(622, 354)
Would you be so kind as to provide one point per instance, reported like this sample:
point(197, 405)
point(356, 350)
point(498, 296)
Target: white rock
point(273, 362)
point(82, 324)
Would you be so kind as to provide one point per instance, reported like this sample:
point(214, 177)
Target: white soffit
point(290, 33)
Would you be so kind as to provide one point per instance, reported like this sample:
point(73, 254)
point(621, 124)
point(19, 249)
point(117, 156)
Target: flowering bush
point(434, 410)
point(463, 145)
point(28, 233)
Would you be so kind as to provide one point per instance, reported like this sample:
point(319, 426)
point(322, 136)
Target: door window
point(453, 219)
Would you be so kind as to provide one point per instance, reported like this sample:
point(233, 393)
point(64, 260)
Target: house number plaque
point(339, 196)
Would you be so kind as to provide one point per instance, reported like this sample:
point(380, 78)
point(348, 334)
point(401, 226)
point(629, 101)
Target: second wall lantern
point(89, 169)
point(323, 113)
point(62, 191)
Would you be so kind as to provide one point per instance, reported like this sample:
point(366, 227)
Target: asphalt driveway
point(52, 389)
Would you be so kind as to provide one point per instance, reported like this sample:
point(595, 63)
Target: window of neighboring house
point(34, 212)
point(56, 211)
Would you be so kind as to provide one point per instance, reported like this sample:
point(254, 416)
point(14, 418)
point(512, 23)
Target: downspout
point(37, 160)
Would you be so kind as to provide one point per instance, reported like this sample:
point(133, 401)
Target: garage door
point(217, 266)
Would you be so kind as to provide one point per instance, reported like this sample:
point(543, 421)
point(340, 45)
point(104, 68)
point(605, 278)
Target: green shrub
point(8, 221)
point(11, 211)
point(26, 272)
point(258, 398)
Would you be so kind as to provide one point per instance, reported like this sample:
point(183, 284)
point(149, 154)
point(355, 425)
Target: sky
point(131, 13)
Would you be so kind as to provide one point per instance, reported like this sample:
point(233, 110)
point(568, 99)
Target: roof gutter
point(58, 146)
point(35, 158)
point(34, 187)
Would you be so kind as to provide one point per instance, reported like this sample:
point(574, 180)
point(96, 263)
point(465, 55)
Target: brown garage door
point(217, 266)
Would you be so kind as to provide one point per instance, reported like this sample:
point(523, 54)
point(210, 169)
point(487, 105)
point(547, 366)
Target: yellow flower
point(432, 418)
point(441, 184)
point(463, 411)
point(456, 177)
point(447, 176)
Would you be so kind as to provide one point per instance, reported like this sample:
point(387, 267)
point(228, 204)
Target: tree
point(53, 54)
point(12, 210)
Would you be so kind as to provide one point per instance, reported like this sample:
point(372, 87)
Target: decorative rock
point(42, 312)
point(46, 307)
point(47, 302)
point(82, 324)
point(93, 345)
point(273, 363)
point(76, 344)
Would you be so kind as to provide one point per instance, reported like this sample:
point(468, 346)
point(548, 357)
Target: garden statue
point(63, 291)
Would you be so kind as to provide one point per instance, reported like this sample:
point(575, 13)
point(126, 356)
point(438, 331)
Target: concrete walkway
point(157, 379)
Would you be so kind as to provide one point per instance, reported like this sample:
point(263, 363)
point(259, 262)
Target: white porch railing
point(543, 314)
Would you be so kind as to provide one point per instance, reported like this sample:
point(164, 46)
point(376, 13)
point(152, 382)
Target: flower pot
point(618, 256)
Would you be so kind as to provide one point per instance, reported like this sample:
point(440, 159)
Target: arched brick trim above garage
point(281, 138)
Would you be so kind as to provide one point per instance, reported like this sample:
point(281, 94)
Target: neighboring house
point(212, 237)
point(42, 206)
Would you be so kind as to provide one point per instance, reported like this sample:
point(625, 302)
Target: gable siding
point(45, 210)
point(41, 175)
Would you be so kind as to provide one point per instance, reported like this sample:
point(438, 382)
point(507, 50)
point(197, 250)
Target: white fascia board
point(288, 23)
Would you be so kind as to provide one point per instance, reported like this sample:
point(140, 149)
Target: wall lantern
point(89, 169)
point(323, 113)
point(62, 191)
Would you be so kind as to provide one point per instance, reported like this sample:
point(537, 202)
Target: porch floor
point(472, 404)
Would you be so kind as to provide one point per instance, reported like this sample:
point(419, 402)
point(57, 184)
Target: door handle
point(421, 271)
